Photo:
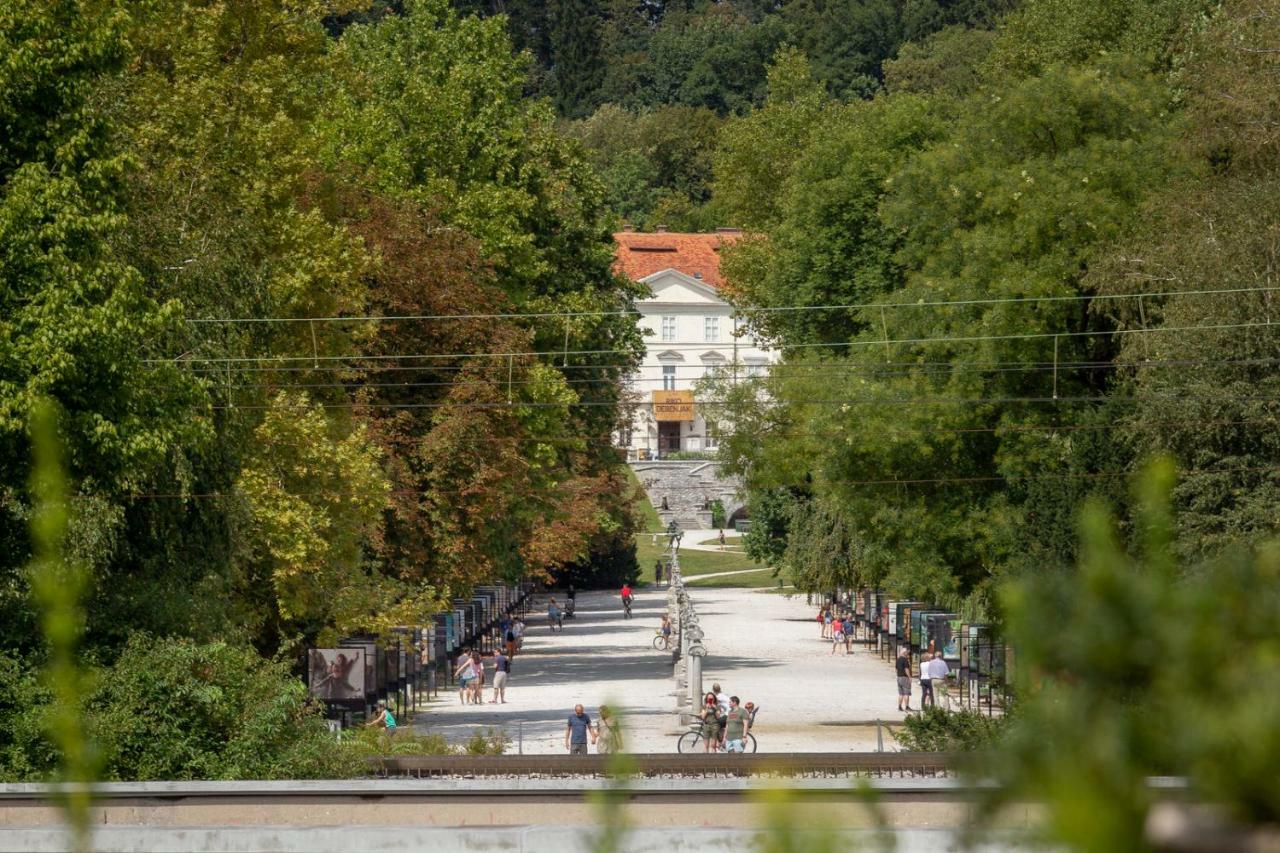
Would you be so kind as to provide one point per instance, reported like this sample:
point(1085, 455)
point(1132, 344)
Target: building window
point(755, 368)
point(668, 377)
point(668, 328)
point(713, 435)
point(712, 328)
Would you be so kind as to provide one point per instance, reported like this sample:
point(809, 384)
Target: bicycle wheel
point(689, 742)
point(660, 643)
point(750, 745)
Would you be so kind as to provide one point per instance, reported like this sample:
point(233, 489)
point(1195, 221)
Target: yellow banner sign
point(673, 405)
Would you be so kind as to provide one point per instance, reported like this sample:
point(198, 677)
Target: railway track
point(664, 765)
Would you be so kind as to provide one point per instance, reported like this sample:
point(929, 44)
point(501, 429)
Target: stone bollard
point(696, 653)
point(693, 663)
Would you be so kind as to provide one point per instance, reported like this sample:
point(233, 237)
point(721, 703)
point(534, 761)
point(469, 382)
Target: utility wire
point(847, 402)
point(975, 480)
point(774, 368)
point(690, 347)
point(859, 306)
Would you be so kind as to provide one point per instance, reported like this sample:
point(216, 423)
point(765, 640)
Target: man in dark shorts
point(904, 680)
point(577, 730)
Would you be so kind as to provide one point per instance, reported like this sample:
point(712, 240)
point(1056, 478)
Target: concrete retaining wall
point(391, 839)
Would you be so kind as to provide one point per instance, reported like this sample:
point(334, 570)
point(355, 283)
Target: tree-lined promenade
point(319, 304)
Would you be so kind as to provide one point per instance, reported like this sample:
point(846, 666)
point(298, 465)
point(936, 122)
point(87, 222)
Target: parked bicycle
point(692, 740)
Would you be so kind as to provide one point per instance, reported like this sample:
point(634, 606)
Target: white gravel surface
point(762, 647)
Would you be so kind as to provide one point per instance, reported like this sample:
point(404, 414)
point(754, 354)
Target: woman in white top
point(466, 675)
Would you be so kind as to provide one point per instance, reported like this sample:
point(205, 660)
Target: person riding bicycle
point(626, 597)
point(666, 627)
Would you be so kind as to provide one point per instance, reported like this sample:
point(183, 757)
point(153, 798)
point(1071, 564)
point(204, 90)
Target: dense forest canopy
point(210, 218)
point(1008, 252)
point(1041, 255)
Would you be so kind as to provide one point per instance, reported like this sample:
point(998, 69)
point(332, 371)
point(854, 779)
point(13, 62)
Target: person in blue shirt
point(577, 730)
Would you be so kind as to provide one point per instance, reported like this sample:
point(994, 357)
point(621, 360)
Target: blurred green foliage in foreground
point(1137, 666)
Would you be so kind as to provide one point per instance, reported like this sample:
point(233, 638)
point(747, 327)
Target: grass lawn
point(734, 541)
point(758, 579)
point(691, 562)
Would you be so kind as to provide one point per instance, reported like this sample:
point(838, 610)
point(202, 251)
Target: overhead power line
point(774, 368)
point(854, 306)
point(316, 359)
point(849, 402)
point(922, 481)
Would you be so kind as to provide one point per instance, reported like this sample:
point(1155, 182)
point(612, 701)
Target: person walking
point(721, 539)
point(501, 671)
point(904, 680)
point(477, 686)
point(610, 739)
point(555, 619)
point(466, 674)
point(577, 730)
point(737, 725)
point(837, 635)
point(657, 572)
point(926, 681)
point(938, 671)
point(509, 639)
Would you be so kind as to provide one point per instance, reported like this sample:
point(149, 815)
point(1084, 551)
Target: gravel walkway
point(762, 646)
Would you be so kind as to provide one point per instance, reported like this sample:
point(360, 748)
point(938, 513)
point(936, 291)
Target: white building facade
point(689, 333)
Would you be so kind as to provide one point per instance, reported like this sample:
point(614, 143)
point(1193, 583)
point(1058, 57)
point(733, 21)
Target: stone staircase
point(688, 486)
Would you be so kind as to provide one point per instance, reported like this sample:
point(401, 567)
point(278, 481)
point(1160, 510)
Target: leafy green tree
point(845, 40)
point(830, 245)
point(948, 62)
point(651, 160)
point(1042, 33)
point(756, 152)
point(313, 500)
point(79, 326)
point(770, 512)
point(576, 63)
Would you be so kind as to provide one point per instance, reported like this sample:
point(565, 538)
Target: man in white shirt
point(721, 698)
point(938, 672)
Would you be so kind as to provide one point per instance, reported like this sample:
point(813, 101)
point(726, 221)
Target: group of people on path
point(837, 626)
point(933, 679)
point(471, 676)
point(605, 734)
point(726, 722)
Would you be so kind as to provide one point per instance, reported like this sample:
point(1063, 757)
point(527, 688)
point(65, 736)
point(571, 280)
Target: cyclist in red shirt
point(626, 599)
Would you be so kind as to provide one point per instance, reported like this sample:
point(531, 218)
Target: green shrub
point(25, 753)
point(175, 709)
point(718, 517)
point(491, 742)
point(937, 730)
point(366, 743)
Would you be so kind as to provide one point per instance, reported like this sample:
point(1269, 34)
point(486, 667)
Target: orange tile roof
point(641, 254)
